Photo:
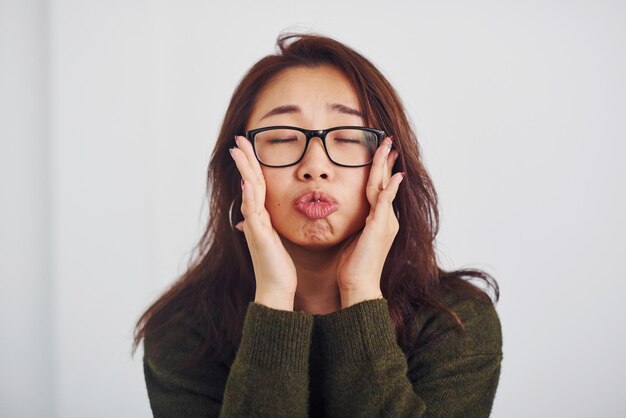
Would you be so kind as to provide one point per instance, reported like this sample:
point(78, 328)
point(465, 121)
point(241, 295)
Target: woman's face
point(312, 95)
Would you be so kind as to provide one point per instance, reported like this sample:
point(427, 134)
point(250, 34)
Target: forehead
point(313, 90)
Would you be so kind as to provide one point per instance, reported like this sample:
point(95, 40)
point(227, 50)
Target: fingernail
point(403, 174)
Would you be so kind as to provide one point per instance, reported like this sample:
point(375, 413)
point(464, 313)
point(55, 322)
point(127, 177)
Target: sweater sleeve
point(268, 377)
point(368, 374)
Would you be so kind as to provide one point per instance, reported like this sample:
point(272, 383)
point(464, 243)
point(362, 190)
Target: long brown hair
point(211, 297)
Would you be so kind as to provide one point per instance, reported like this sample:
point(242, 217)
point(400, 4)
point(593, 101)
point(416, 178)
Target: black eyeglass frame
point(315, 133)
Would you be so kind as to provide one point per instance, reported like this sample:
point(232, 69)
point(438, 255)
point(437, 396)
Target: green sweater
point(343, 364)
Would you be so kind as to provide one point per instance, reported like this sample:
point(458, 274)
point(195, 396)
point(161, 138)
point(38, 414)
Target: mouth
point(316, 204)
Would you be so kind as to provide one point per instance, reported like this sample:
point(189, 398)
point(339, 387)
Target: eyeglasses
point(346, 146)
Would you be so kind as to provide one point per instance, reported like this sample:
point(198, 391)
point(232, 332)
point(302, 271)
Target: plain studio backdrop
point(109, 112)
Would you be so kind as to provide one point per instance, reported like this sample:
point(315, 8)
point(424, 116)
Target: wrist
point(354, 296)
point(275, 300)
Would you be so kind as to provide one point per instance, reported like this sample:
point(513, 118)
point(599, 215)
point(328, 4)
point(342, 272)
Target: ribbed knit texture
point(343, 364)
point(361, 333)
point(283, 345)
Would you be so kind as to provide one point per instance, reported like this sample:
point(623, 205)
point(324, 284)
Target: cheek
point(358, 184)
point(274, 191)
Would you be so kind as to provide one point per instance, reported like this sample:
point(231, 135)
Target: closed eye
point(278, 140)
point(352, 141)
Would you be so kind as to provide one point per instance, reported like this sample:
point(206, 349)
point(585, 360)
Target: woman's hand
point(361, 263)
point(274, 271)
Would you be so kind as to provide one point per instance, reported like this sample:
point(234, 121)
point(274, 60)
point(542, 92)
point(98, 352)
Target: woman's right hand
point(274, 271)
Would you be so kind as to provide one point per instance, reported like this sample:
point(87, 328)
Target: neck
point(317, 290)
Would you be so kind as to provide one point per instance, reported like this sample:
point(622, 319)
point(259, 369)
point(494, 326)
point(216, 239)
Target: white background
point(108, 114)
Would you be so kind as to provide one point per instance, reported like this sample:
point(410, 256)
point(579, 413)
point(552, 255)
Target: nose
point(315, 164)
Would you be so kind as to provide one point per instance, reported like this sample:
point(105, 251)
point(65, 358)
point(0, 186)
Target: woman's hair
point(212, 296)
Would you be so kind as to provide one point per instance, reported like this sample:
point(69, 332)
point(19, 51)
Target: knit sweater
point(342, 364)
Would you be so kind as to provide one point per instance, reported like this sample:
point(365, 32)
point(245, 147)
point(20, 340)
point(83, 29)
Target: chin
point(319, 236)
point(314, 241)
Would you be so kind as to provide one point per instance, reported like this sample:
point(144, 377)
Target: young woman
point(315, 289)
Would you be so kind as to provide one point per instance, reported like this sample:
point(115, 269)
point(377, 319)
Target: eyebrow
point(337, 107)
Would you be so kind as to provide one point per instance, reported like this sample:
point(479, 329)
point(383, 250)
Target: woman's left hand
point(361, 263)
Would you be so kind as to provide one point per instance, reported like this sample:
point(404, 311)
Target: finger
point(243, 165)
point(391, 161)
point(246, 146)
point(249, 204)
point(385, 172)
point(385, 199)
point(250, 178)
point(254, 213)
point(375, 180)
point(252, 210)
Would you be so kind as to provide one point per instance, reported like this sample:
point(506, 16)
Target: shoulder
point(174, 359)
point(449, 364)
point(171, 346)
point(483, 331)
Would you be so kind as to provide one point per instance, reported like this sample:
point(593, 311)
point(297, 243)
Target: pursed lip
point(315, 204)
point(313, 196)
